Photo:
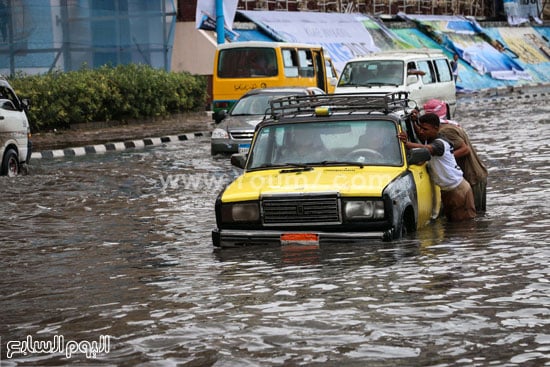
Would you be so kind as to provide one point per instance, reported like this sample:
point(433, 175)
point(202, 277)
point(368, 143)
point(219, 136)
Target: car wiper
point(341, 163)
point(294, 167)
point(297, 167)
point(382, 83)
point(355, 85)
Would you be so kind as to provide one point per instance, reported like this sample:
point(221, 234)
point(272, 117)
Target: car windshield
point(366, 142)
point(372, 73)
point(255, 104)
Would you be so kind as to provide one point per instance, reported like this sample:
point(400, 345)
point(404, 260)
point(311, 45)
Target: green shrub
point(124, 92)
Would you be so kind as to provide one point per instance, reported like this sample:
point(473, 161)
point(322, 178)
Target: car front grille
point(298, 210)
point(241, 134)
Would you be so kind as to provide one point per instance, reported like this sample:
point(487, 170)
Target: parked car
point(235, 128)
point(328, 168)
point(15, 144)
point(424, 73)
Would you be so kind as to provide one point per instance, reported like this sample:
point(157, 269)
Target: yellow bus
point(242, 66)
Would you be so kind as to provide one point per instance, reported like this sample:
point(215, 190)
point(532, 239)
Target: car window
point(443, 70)
point(427, 68)
point(7, 96)
point(6, 104)
point(369, 142)
point(256, 104)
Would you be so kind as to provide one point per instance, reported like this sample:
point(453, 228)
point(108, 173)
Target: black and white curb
point(116, 146)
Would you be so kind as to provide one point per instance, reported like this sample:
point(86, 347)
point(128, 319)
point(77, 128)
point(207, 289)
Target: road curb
point(117, 146)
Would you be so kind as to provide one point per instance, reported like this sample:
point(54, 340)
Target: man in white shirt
point(456, 193)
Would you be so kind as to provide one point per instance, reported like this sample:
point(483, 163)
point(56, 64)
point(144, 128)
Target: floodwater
point(107, 260)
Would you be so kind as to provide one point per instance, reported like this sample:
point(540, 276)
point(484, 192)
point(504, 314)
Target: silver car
point(234, 129)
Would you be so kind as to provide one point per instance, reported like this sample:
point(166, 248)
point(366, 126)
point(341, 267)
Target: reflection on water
point(102, 245)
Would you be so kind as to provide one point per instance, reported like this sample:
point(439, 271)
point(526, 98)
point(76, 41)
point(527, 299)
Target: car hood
point(382, 89)
point(240, 122)
point(346, 180)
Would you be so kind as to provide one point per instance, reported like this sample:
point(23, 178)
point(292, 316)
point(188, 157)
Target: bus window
point(332, 75)
point(290, 60)
point(263, 63)
point(247, 62)
point(331, 71)
point(306, 63)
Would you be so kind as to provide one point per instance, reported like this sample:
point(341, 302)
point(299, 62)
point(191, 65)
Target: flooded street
point(115, 251)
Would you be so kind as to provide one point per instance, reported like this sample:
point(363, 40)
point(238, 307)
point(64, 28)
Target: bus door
point(320, 70)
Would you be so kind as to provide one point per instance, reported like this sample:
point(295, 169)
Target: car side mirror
point(412, 79)
point(239, 160)
point(418, 155)
point(218, 116)
point(26, 103)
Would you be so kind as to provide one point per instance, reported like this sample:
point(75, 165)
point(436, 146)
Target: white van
point(424, 73)
point(15, 146)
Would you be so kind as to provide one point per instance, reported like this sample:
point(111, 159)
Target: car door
point(427, 193)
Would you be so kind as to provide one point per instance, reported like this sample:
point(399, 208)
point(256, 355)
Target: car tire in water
point(10, 164)
point(406, 225)
point(400, 230)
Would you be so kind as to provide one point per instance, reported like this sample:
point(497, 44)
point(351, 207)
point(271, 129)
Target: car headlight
point(364, 209)
point(240, 212)
point(219, 134)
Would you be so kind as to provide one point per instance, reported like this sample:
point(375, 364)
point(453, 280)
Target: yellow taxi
point(328, 168)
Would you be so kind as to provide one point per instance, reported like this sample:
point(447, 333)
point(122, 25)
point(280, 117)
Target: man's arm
point(461, 148)
point(436, 147)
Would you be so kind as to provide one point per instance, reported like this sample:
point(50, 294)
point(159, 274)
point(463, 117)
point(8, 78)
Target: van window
point(242, 62)
point(427, 68)
point(443, 70)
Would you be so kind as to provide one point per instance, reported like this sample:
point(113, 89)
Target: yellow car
point(328, 169)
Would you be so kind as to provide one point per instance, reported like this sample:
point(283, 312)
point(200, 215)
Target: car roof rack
point(293, 106)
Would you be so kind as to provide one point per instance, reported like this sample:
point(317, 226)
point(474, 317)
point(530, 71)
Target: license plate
point(243, 148)
point(308, 239)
